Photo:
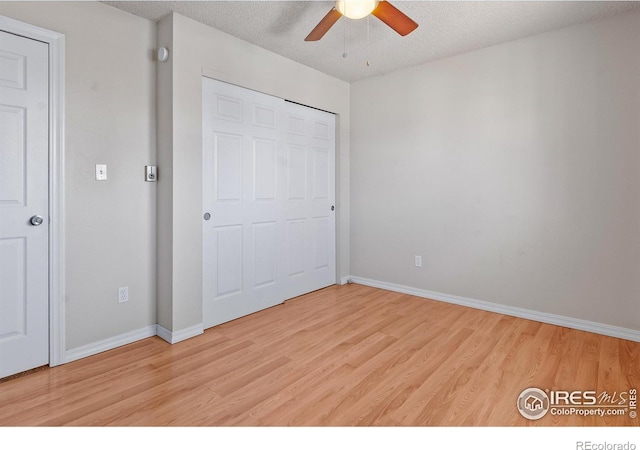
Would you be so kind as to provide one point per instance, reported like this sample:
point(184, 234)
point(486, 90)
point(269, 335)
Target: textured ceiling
point(446, 28)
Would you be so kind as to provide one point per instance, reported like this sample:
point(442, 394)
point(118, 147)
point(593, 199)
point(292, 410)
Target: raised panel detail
point(321, 130)
point(228, 108)
point(229, 260)
point(296, 124)
point(297, 172)
point(320, 242)
point(264, 257)
point(264, 116)
point(12, 155)
point(320, 173)
point(13, 301)
point(227, 156)
point(264, 169)
point(13, 70)
point(295, 246)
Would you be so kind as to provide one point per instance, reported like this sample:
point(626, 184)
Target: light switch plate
point(101, 172)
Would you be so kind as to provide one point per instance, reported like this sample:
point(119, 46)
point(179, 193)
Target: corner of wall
point(164, 139)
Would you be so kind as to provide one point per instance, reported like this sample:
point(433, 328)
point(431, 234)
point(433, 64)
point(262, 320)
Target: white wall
point(196, 50)
point(110, 119)
point(514, 171)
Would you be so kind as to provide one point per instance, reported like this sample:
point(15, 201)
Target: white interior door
point(241, 154)
point(24, 208)
point(308, 207)
point(268, 186)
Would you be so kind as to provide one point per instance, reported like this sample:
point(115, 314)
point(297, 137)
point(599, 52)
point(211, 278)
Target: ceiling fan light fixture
point(356, 9)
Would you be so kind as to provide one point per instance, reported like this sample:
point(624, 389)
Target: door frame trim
point(56, 43)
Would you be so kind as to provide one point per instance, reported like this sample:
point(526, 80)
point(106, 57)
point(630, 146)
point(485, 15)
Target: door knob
point(36, 220)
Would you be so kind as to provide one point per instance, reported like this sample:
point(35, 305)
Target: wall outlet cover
point(123, 294)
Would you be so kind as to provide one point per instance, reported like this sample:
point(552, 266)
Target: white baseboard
point(109, 343)
point(94, 348)
point(553, 319)
point(173, 337)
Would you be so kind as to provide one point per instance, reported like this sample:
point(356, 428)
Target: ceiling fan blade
point(324, 25)
point(395, 18)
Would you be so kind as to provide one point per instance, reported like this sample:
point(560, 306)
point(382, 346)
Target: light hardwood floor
point(349, 355)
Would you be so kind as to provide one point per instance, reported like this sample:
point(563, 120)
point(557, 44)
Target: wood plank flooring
point(342, 356)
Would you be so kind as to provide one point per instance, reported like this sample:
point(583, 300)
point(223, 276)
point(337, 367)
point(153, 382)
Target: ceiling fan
point(357, 9)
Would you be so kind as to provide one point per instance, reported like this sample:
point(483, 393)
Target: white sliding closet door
point(268, 219)
point(309, 232)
